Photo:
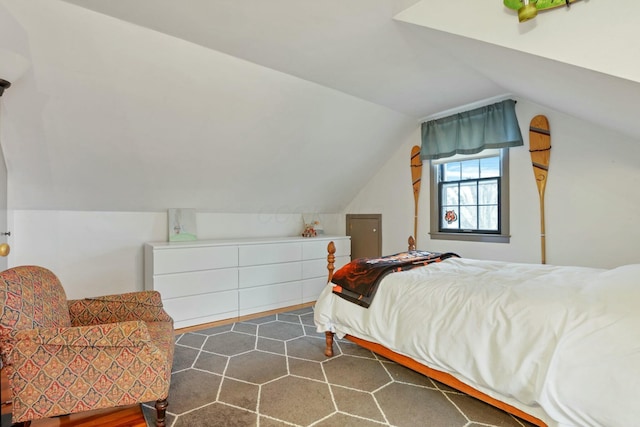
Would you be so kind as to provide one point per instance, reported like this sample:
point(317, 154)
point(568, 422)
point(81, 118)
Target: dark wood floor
point(129, 416)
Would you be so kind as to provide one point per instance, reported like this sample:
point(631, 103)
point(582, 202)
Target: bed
point(553, 345)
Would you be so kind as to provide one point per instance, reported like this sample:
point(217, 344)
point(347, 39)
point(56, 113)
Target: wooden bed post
point(331, 259)
point(412, 243)
point(328, 340)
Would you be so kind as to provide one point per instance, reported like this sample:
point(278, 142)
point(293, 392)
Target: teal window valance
point(469, 132)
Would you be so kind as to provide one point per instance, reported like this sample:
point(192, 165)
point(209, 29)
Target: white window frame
point(503, 236)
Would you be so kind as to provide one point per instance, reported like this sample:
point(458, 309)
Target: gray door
point(366, 235)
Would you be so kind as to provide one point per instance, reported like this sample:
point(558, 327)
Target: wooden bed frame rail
point(410, 363)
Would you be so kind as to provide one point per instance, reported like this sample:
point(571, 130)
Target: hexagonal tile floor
point(271, 372)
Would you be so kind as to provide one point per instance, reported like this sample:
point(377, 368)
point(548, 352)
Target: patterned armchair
point(63, 357)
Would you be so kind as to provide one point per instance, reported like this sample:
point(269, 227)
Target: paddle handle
point(542, 184)
point(415, 215)
point(543, 245)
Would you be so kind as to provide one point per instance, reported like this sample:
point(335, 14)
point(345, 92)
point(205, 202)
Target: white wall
point(591, 217)
point(592, 23)
point(592, 198)
point(99, 253)
point(111, 116)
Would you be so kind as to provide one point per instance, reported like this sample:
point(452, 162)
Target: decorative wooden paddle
point(416, 177)
point(540, 149)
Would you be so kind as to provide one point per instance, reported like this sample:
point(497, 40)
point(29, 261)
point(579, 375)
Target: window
point(469, 197)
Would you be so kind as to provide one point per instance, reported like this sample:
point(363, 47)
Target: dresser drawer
point(268, 274)
point(269, 253)
point(318, 267)
point(198, 309)
point(270, 297)
point(178, 260)
point(315, 268)
point(316, 249)
point(311, 288)
point(197, 282)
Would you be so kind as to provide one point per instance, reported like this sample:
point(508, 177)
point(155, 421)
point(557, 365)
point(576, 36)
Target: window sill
point(471, 237)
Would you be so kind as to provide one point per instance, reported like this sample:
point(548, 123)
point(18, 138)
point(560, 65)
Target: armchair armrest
point(122, 334)
point(144, 305)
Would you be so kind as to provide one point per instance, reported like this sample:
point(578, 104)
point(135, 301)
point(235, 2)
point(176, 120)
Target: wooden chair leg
point(161, 411)
point(21, 424)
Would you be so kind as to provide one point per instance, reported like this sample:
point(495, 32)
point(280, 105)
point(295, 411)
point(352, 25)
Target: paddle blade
point(416, 170)
point(540, 149)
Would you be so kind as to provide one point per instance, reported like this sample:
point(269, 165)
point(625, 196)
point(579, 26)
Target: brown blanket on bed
point(358, 281)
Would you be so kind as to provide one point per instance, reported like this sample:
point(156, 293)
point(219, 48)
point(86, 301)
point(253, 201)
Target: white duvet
point(560, 343)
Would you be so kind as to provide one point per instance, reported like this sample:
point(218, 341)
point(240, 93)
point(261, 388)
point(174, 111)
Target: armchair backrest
point(31, 297)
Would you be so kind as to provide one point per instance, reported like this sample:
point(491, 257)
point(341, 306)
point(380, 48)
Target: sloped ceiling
point(254, 106)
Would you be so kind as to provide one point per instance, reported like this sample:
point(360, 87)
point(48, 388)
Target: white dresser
point(211, 280)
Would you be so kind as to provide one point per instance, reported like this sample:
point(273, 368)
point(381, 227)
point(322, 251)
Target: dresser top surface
point(243, 241)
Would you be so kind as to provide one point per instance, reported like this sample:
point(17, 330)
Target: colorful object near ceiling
point(529, 9)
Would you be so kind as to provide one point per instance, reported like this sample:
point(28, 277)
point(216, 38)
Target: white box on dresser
point(211, 280)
